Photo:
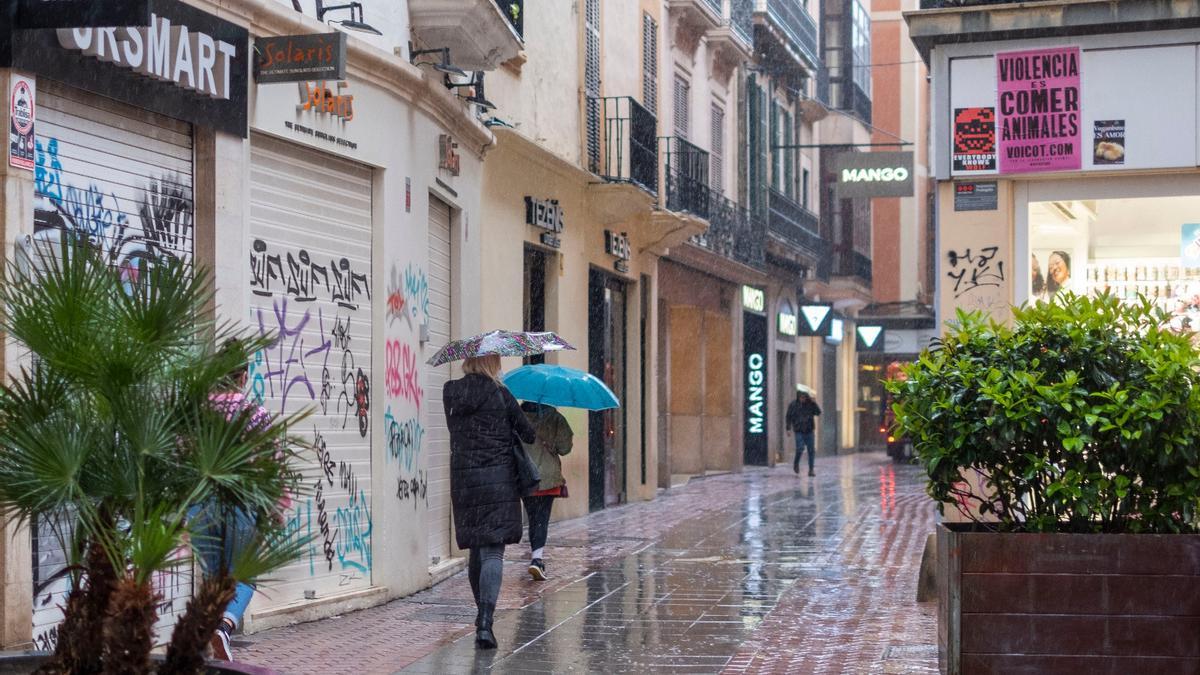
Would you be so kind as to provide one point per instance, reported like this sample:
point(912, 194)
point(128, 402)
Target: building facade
point(334, 213)
point(1053, 169)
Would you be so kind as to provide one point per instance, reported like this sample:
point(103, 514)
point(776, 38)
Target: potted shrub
point(111, 431)
point(1068, 441)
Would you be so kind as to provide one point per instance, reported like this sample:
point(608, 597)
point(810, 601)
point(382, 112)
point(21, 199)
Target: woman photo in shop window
point(1058, 273)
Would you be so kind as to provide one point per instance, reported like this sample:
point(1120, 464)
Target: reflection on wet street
point(786, 574)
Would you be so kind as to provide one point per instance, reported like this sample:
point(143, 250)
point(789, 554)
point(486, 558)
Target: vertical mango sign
point(1039, 121)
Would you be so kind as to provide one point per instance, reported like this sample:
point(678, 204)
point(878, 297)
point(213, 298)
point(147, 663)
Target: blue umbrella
point(560, 386)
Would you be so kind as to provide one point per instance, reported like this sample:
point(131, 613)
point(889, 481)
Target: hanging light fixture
point(351, 23)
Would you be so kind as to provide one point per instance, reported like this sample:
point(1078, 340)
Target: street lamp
point(351, 23)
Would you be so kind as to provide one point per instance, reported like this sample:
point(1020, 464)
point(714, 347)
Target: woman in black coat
point(485, 423)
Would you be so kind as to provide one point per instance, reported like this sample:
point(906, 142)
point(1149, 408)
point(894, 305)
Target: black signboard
point(870, 338)
point(755, 397)
point(874, 174)
point(210, 91)
point(300, 58)
point(33, 14)
point(975, 196)
point(814, 319)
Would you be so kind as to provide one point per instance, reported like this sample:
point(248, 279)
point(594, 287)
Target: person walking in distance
point(484, 422)
point(801, 419)
point(554, 438)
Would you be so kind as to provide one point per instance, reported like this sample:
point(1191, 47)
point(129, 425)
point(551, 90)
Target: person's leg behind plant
point(538, 510)
point(238, 531)
point(486, 567)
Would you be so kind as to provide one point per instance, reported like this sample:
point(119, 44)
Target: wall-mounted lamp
point(443, 67)
point(477, 97)
point(351, 23)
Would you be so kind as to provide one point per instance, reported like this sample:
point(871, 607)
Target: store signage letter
point(754, 299)
point(188, 59)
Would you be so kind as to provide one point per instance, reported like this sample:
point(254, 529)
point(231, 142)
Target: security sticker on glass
point(974, 139)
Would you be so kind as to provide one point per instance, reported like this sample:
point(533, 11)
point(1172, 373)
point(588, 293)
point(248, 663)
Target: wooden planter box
point(1067, 603)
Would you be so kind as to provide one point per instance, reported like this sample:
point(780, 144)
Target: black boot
point(484, 638)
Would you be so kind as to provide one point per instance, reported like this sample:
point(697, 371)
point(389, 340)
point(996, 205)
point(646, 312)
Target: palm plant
point(109, 432)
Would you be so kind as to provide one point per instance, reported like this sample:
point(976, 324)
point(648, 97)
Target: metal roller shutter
point(123, 176)
point(310, 269)
point(438, 435)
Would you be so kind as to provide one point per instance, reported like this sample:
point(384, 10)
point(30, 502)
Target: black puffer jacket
point(485, 422)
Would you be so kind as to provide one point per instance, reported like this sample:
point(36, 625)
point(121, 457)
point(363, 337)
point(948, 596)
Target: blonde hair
point(488, 365)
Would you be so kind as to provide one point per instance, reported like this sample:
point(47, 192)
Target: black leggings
point(538, 510)
point(485, 567)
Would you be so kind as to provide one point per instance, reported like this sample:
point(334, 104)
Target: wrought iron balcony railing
point(798, 25)
point(514, 11)
point(796, 224)
point(686, 172)
point(627, 147)
point(733, 232)
point(949, 4)
point(741, 19)
point(851, 263)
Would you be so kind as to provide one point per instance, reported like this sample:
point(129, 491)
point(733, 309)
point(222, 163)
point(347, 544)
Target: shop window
point(1131, 248)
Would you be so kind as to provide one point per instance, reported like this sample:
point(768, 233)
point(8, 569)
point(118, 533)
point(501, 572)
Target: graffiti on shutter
point(309, 260)
point(122, 178)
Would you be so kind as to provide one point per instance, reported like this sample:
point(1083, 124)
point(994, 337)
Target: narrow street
point(761, 571)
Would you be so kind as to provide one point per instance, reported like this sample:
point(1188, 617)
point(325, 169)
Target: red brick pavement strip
point(862, 616)
point(386, 638)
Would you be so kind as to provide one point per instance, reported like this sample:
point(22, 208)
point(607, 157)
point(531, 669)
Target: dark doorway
point(754, 379)
point(535, 295)
point(606, 360)
point(829, 401)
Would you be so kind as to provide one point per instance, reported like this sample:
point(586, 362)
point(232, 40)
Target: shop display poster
point(974, 139)
point(1108, 142)
point(22, 112)
point(976, 196)
point(1038, 120)
point(1189, 252)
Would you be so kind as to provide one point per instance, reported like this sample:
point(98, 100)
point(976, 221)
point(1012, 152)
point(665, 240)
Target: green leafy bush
point(1083, 416)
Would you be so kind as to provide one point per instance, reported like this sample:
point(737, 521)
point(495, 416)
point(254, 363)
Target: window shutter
point(682, 113)
point(789, 155)
point(650, 63)
point(591, 79)
point(773, 139)
point(717, 171)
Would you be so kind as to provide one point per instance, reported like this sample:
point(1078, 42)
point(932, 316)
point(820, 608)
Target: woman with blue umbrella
point(542, 387)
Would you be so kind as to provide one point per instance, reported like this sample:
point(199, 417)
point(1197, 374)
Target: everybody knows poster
point(1039, 117)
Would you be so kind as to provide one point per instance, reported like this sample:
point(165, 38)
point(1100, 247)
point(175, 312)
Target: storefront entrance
point(606, 360)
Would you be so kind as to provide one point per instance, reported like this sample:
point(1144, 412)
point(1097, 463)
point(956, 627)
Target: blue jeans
point(218, 540)
point(804, 439)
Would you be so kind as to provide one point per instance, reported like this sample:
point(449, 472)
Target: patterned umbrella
point(502, 342)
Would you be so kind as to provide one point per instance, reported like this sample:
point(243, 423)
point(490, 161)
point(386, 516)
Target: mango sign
point(1039, 122)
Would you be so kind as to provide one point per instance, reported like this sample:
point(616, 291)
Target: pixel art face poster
point(974, 139)
point(1039, 121)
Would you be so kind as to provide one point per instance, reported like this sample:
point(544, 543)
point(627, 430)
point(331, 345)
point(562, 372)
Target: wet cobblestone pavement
point(757, 572)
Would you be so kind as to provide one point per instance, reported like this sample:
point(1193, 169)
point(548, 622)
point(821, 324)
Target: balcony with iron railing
point(622, 142)
point(792, 19)
point(732, 232)
point(851, 263)
point(514, 11)
point(796, 225)
point(685, 174)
